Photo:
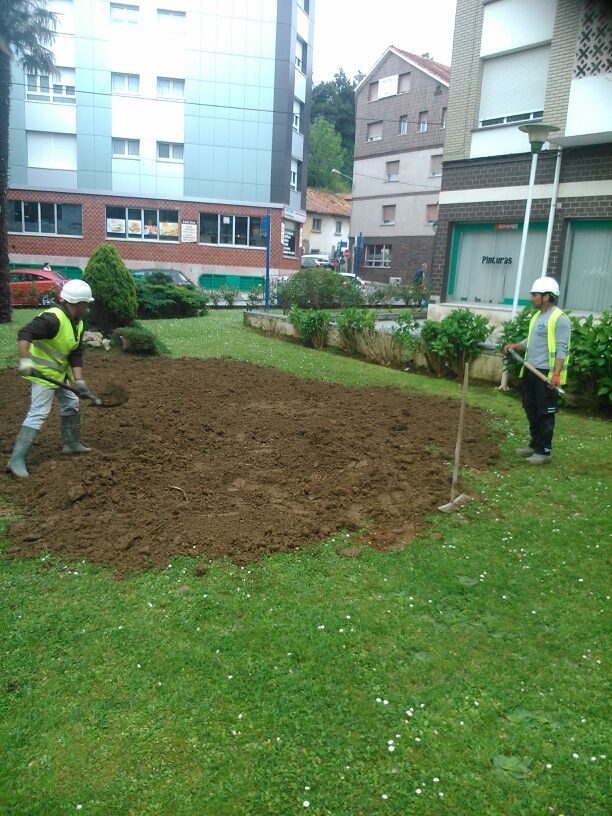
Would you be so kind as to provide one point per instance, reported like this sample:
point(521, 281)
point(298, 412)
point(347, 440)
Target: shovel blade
point(456, 503)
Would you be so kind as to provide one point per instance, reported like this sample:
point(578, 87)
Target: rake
point(457, 501)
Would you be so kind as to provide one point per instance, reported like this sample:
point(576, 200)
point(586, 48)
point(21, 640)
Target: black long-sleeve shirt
point(45, 327)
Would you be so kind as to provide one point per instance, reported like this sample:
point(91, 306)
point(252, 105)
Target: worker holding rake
point(544, 369)
point(50, 353)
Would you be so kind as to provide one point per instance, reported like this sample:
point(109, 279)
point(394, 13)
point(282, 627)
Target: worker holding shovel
point(544, 369)
point(50, 353)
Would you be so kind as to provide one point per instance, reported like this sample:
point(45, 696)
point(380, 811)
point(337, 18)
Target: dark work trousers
point(540, 405)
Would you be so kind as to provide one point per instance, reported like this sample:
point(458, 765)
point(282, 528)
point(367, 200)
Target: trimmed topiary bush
point(113, 288)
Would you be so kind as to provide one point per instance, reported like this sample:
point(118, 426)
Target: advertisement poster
point(115, 226)
point(168, 229)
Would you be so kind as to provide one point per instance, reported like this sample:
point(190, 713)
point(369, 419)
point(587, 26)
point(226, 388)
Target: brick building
point(171, 130)
point(515, 63)
point(399, 133)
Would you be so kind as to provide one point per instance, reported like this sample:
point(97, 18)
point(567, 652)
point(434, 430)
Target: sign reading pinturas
point(496, 259)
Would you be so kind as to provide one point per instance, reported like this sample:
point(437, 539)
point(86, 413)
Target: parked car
point(176, 276)
point(315, 261)
point(35, 287)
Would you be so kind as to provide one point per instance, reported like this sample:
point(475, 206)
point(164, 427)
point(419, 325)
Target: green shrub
point(137, 339)
point(215, 296)
point(255, 296)
point(514, 331)
point(590, 366)
point(312, 324)
point(230, 295)
point(412, 295)
point(452, 342)
point(314, 289)
point(163, 301)
point(113, 288)
point(352, 324)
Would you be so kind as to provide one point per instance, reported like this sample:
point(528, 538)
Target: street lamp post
point(538, 133)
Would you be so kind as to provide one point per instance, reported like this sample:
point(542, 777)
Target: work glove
point(555, 380)
point(513, 346)
point(81, 389)
point(26, 366)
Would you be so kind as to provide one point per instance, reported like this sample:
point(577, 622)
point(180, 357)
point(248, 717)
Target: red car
point(35, 287)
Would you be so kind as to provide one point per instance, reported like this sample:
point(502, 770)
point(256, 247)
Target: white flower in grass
point(306, 803)
point(384, 796)
point(418, 791)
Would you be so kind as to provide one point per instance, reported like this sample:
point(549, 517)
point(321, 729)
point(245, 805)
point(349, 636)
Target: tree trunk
point(5, 104)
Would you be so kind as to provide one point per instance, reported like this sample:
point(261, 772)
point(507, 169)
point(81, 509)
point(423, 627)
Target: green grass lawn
point(464, 675)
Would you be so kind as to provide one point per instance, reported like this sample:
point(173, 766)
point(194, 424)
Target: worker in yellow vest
point(52, 345)
point(546, 347)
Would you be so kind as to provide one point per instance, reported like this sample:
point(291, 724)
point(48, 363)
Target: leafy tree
point(114, 290)
point(335, 102)
point(325, 151)
point(26, 29)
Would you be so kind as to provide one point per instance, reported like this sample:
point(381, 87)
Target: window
point(300, 55)
point(513, 87)
point(298, 114)
point(377, 255)
point(236, 230)
point(122, 14)
point(392, 170)
point(373, 91)
point(374, 131)
point(432, 213)
point(422, 124)
point(125, 83)
point(171, 88)
point(405, 83)
point(388, 214)
point(588, 261)
point(443, 118)
point(403, 125)
point(338, 227)
point(169, 151)
point(296, 175)
point(316, 225)
point(44, 218)
point(126, 147)
point(133, 222)
point(172, 21)
point(435, 165)
point(53, 150)
point(63, 92)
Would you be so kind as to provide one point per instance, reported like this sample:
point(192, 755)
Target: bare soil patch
point(217, 458)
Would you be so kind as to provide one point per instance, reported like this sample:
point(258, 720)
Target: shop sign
point(189, 232)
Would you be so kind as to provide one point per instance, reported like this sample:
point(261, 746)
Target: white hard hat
point(542, 286)
point(76, 291)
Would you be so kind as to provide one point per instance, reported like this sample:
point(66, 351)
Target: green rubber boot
point(23, 445)
point(71, 434)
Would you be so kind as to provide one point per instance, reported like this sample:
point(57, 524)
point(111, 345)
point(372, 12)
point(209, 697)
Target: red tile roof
point(323, 203)
point(441, 71)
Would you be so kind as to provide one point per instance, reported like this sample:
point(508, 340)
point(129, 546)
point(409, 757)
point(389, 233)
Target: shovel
point(457, 501)
point(118, 400)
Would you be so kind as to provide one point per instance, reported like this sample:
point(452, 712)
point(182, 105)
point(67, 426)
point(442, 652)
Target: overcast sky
point(349, 37)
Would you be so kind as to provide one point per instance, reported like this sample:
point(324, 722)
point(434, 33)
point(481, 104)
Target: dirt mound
point(216, 458)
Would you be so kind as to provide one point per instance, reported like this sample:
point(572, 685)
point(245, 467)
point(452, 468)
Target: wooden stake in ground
point(457, 501)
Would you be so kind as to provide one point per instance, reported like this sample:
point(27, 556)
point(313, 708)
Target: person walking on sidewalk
point(52, 344)
point(546, 347)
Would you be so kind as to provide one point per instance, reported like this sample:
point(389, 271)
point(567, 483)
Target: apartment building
point(518, 63)
point(401, 108)
point(172, 129)
point(327, 226)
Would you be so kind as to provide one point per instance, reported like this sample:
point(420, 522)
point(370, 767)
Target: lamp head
point(538, 133)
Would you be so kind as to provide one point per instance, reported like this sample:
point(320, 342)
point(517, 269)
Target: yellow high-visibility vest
point(552, 344)
point(51, 356)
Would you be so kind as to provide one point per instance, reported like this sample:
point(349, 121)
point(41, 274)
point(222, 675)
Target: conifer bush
point(115, 303)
